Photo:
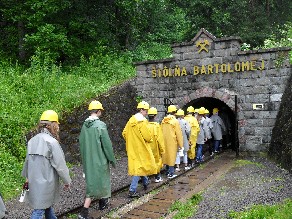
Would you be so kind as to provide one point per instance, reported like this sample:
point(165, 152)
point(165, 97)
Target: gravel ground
point(259, 183)
point(244, 186)
point(74, 198)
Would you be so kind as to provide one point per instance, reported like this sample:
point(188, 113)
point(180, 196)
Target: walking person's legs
point(133, 187)
point(37, 214)
point(84, 212)
point(177, 162)
point(199, 152)
point(216, 146)
point(50, 214)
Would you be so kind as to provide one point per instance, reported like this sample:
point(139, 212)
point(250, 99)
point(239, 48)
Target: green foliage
point(10, 177)
point(25, 94)
point(283, 38)
point(150, 51)
point(252, 20)
point(187, 209)
point(49, 40)
point(279, 211)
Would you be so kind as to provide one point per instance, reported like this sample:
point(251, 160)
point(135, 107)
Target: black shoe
point(103, 203)
point(146, 186)
point(133, 194)
point(80, 216)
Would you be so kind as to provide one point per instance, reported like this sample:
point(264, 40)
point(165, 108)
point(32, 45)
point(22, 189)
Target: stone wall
point(264, 85)
point(119, 105)
point(281, 144)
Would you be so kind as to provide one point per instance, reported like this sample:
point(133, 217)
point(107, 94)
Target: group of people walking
point(150, 146)
point(178, 138)
point(45, 163)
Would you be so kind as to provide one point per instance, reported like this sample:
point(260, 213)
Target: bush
point(25, 94)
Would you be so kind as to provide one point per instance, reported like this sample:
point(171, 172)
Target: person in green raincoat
point(96, 155)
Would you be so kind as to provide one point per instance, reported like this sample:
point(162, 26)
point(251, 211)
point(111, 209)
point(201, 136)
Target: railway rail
point(158, 198)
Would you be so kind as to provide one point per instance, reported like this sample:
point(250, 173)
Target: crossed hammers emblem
point(202, 45)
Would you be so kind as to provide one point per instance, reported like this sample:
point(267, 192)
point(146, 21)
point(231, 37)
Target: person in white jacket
point(201, 137)
point(186, 131)
point(208, 126)
point(43, 167)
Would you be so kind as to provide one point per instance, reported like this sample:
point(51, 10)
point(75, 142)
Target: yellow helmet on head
point(201, 111)
point(180, 112)
point(190, 109)
point(95, 105)
point(207, 111)
point(152, 111)
point(143, 105)
point(49, 115)
point(215, 110)
point(171, 108)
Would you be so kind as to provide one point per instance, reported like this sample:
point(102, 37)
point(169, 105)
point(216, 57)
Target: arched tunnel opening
point(226, 114)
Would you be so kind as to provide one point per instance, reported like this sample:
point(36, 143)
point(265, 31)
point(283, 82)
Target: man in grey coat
point(44, 165)
point(202, 136)
point(218, 129)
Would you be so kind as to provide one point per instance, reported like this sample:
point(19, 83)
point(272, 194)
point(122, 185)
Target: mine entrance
point(225, 112)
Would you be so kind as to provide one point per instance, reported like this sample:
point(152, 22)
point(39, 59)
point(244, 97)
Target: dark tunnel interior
point(225, 112)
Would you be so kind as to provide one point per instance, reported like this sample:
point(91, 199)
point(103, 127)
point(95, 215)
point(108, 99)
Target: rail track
point(157, 199)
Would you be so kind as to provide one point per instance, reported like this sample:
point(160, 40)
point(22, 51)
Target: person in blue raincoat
point(96, 155)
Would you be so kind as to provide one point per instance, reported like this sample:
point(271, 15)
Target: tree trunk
point(21, 33)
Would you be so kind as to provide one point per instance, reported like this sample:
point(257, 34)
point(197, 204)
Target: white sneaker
point(177, 169)
point(158, 180)
point(170, 176)
point(187, 168)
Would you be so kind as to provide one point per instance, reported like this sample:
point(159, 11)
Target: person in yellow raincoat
point(173, 140)
point(141, 162)
point(157, 145)
point(195, 129)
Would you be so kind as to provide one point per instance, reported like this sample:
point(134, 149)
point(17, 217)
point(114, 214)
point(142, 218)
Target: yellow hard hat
point(190, 109)
point(180, 112)
point(143, 105)
point(215, 110)
point(196, 110)
point(95, 105)
point(152, 111)
point(201, 111)
point(171, 108)
point(49, 115)
point(207, 111)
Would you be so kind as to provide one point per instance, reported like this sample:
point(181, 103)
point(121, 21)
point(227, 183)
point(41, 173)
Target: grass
point(186, 209)
point(278, 211)
point(240, 163)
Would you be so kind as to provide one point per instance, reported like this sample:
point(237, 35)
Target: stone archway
point(224, 95)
